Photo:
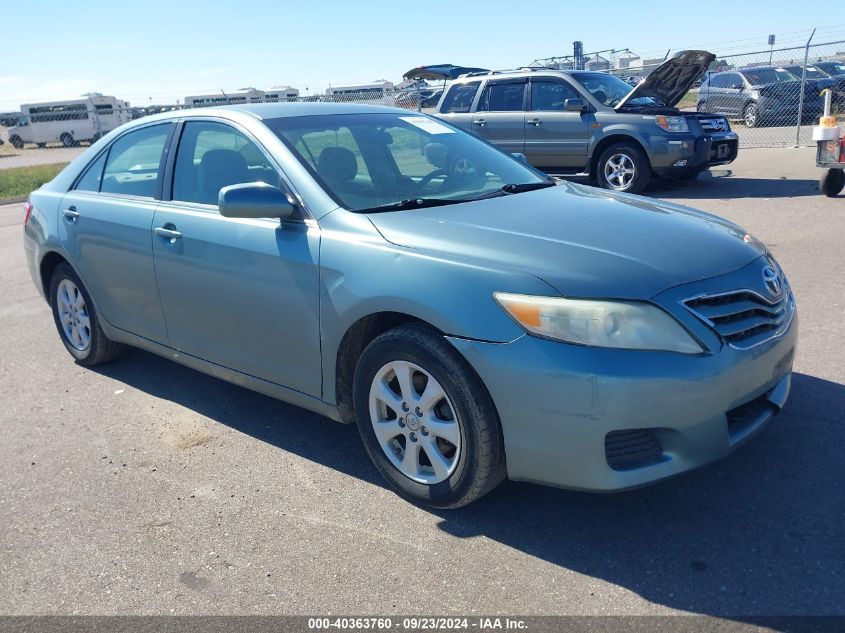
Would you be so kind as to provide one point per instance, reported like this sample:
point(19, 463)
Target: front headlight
point(618, 324)
point(672, 123)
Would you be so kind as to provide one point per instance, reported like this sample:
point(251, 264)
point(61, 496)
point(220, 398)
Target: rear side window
point(215, 155)
point(502, 97)
point(93, 176)
point(460, 97)
point(133, 162)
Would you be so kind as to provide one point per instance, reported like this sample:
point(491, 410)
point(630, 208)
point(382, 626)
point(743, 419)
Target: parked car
point(431, 99)
point(594, 124)
point(832, 68)
point(823, 79)
point(760, 95)
point(475, 318)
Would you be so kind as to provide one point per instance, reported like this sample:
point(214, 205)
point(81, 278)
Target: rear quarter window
point(460, 97)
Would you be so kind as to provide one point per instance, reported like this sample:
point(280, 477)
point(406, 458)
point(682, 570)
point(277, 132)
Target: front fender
point(362, 274)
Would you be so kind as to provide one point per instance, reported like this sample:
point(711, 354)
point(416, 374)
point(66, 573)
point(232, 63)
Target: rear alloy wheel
point(67, 140)
point(751, 115)
point(426, 420)
point(832, 182)
point(76, 319)
point(623, 167)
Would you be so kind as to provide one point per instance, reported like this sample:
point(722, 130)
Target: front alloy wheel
point(426, 419)
point(414, 422)
point(623, 167)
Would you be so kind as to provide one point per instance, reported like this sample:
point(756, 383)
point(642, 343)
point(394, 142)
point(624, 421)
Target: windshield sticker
point(427, 125)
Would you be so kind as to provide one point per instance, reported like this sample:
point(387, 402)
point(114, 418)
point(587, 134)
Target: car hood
point(670, 81)
point(583, 241)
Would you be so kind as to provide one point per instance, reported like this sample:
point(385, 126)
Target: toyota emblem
point(771, 280)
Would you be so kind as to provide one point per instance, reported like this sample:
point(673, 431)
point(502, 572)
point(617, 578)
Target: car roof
point(520, 72)
point(263, 111)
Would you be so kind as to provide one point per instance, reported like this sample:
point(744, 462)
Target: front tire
point(832, 182)
point(16, 141)
point(77, 321)
point(426, 419)
point(623, 167)
point(751, 115)
point(67, 140)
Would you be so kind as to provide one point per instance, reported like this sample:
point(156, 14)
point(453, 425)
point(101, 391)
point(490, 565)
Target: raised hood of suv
point(670, 81)
point(583, 241)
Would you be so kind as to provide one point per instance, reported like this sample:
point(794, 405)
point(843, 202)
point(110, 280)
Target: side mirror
point(254, 200)
point(575, 105)
point(520, 157)
point(737, 86)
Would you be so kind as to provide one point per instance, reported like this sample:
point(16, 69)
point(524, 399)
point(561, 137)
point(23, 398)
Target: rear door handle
point(534, 122)
point(71, 214)
point(169, 234)
point(480, 122)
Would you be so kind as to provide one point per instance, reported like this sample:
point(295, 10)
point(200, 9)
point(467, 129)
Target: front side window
point(377, 161)
point(502, 97)
point(723, 81)
point(460, 97)
point(551, 95)
point(214, 155)
point(134, 160)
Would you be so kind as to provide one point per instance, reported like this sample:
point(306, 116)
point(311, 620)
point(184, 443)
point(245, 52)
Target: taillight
point(28, 212)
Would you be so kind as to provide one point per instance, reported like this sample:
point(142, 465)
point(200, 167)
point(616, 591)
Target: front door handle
point(480, 122)
point(167, 233)
point(71, 215)
point(534, 122)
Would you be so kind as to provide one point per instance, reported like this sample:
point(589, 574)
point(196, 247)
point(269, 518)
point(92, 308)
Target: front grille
point(715, 124)
point(632, 448)
point(744, 318)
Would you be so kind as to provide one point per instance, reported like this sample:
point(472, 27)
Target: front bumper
point(566, 410)
point(696, 154)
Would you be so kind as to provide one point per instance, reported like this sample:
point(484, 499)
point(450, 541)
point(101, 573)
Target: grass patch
point(689, 100)
point(20, 181)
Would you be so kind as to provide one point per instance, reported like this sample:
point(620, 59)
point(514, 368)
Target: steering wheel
point(425, 180)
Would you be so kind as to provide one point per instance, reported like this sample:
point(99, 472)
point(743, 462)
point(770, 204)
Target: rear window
point(460, 97)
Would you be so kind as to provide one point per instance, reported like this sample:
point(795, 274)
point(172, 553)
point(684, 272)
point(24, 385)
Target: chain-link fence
point(774, 97)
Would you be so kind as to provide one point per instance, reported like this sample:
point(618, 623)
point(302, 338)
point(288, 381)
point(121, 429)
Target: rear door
point(241, 293)
point(500, 114)
point(555, 137)
point(105, 223)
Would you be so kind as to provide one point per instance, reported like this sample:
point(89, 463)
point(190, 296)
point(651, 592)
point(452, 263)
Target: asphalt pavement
point(142, 487)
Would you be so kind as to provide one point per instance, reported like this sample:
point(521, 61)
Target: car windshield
point(610, 89)
point(812, 72)
point(761, 76)
point(832, 68)
point(388, 161)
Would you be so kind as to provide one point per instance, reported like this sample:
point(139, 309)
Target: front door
point(105, 223)
point(240, 293)
point(555, 137)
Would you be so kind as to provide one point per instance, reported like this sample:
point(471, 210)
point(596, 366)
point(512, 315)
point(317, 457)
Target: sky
point(157, 51)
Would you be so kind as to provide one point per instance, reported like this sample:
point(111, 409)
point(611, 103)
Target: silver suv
point(595, 124)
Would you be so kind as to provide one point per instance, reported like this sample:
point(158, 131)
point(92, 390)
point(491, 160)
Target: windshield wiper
point(514, 188)
point(410, 203)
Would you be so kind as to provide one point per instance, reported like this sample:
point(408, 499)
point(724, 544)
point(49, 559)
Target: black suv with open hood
point(592, 123)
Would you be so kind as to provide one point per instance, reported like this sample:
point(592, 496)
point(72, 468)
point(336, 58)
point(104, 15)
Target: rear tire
point(623, 167)
point(77, 321)
point(456, 426)
point(67, 140)
point(832, 182)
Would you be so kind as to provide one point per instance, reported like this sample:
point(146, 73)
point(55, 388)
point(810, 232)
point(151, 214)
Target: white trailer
point(251, 95)
point(69, 122)
point(378, 93)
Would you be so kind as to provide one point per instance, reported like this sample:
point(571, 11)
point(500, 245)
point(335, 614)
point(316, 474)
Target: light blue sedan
point(474, 318)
